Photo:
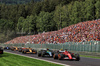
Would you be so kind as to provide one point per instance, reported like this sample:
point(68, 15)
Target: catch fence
point(90, 46)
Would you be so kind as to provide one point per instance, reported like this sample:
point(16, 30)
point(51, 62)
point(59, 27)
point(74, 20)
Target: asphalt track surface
point(83, 61)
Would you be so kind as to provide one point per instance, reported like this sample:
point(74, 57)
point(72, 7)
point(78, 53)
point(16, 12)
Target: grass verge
point(8, 59)
point(95, 55)
point(90, 56)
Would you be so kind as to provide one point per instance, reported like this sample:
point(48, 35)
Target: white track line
point(40, 59)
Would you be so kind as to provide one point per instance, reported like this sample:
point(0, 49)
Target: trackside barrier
point(90, 46)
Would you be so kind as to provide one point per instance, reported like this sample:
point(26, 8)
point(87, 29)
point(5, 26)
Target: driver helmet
point(47, 48)
point(61, 49)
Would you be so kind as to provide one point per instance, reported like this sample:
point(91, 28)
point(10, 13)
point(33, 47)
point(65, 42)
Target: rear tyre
point(1, 52)
point(12, 49)
point(24, 52)
point(55, 56)
point(77, 57)
point(39, 54)
point(35, 52)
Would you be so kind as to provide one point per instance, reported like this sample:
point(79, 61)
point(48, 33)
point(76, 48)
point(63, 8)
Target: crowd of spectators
point(81, 32)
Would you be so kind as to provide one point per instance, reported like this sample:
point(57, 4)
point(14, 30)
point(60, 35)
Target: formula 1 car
point(21, 49)
point(29, 51)
point(1, 50)
point(66, 55)
point(7, 48)
point(14, 48)
point(47, 53)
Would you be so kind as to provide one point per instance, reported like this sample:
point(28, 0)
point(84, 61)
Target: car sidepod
point(34, 51)
point(60, 56)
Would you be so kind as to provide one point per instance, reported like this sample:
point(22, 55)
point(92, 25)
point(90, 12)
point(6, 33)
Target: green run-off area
point(87, 56)
point(8, 59)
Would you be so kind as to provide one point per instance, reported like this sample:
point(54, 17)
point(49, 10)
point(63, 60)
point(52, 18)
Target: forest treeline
point(14, 1)
point(17, 1)
point(47, 15)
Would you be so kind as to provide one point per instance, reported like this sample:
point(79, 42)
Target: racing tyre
point(36, 52)
point(39, 54)
point(77, 57)
point(55, 56)
point(42, 54)
point(1, 52)
point(24, 52)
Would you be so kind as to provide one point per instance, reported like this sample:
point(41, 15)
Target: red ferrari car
point(66, 55)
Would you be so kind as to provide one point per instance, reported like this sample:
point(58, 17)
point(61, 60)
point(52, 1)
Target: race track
point(83, 62)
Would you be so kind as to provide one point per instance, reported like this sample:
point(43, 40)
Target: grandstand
point(81, 32)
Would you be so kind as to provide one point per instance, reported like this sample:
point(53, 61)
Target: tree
point(6, 25)
point(82, 12)
point(20, 24)
point(60, 16)
point(45, 6)
point(57, 16)
point(89, 8)
point(36, 8)
point(97, 5)
point(45, 22)
point(75, 12)
point(27, 25)
point(65, 16)
point(31, 23)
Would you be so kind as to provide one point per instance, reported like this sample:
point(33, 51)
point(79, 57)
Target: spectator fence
point(90, 46)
